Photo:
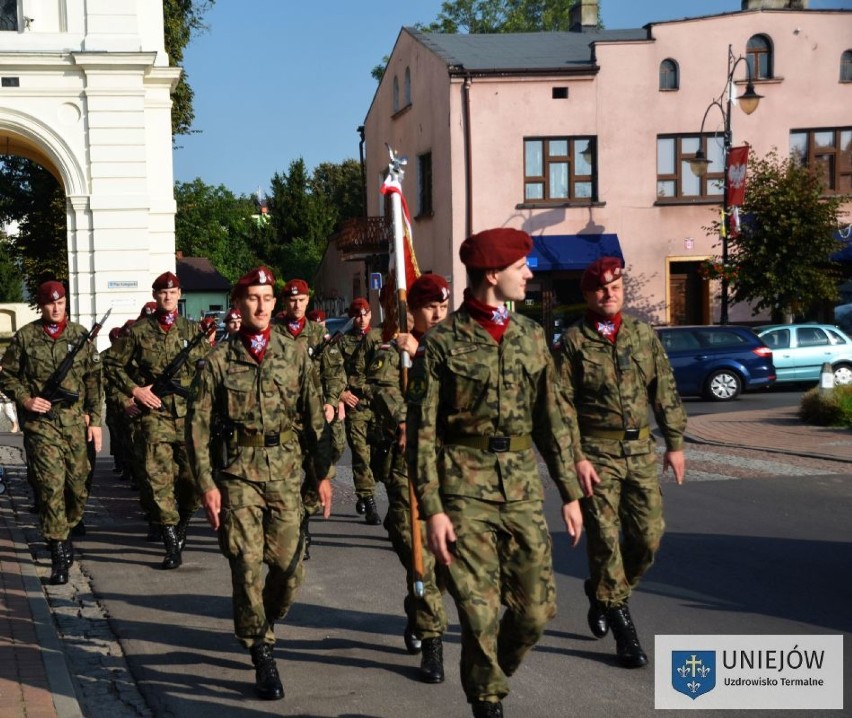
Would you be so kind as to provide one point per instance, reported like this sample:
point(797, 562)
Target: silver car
point(800, 350)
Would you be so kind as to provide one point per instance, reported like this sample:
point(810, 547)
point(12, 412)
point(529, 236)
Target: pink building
point(581, 138)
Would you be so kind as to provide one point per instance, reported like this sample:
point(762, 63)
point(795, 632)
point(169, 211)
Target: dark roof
point(197, 274)
point(521, 51)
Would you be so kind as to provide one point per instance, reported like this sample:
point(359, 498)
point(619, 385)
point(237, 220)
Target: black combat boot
point(306, 534)
point(484, 709)
point(155, 532)
point(371, 513)
point(267, 683)
point(68, 551)
point(597, 615)
point(627, 647)
point(170, 541)
point(58, 563)
point(432, 660)
point(181, 528)
point(359, 506)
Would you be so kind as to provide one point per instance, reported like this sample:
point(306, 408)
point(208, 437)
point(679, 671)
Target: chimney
point(583, 16)
point(775, 5)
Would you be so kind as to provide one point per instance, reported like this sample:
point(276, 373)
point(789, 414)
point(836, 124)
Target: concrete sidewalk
point(35, 680)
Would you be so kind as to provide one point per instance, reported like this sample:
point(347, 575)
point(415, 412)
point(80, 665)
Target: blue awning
point(571, 251)
point(845, 252)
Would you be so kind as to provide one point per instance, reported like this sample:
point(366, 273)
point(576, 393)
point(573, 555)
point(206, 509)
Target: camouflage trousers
point(58, 464)
point(502, 556)
point(137, 469)
point(170, 486)
point(310, 497)
point(356, 435)
point(427, 613)
point(261, 525)
point(623, 521)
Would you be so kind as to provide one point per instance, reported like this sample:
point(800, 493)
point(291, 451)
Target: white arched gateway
point(85, 92)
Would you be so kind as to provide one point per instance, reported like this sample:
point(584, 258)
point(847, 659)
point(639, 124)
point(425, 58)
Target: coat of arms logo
point(693, 672)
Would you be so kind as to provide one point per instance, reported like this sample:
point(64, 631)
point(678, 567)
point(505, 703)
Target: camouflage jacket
point(146, 351)
point(464, 384)
point(613, 386)
point(357, 350)
point(33, 356)
point(328, 373)
point(233, 397)
point(382, 388)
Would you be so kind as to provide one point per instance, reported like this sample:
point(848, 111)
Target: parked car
point(800, 350)
point(335, 324)
point(717, 363)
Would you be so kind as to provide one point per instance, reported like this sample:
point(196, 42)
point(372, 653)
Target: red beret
point(166, 280)
point(114, 333)
point(49, 292)
point(233, 313)
point(257, 277)
point(428, 288)
point(295, 287)
point(316, 315)
point(495, 248)
point(358, 307)
point(148, 309)
point(600, 272)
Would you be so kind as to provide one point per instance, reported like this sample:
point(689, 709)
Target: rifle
point(166, 383)
point(53, 391)
point(332, 339)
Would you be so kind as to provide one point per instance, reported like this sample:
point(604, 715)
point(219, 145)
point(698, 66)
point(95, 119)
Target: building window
point(560, 169)
point(846, 66)
point(407, 85)
point(828, 152)
point(675, 179)
point(424, 185)
point(9, 15)
point(669, 79)
point(395, 93)
point(759, 57)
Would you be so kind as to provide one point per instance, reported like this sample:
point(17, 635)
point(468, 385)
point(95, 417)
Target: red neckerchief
point(255, 342)
point(493, 320)
point(166, 320)
point(295, 326)
point(54, 331)
point(605, 326)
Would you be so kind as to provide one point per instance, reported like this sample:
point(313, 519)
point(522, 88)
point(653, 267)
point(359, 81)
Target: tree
point(781, 255)
point(10, 274)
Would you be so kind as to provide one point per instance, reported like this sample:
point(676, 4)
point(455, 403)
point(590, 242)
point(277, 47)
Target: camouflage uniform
point(382, 389)
point(352, 344)
point(258, 407)
point(612, 387)
point(56, 447)
point(465, 388)
point(140, 359)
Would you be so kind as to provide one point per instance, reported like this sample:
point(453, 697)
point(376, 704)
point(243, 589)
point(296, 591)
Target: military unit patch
point(416, 389)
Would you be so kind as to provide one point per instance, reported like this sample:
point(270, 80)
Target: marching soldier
point(56, 436)
point(150, 346)
point(614, 372)
point(232, 321)
point(360, 340)
point(481, 396)
point(259, 388)
point(428, 301)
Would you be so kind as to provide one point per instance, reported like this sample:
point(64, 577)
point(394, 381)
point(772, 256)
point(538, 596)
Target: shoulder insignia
point(416, 389)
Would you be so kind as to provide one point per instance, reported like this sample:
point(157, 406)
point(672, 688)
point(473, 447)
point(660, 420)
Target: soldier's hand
point(341, 411)
point(401, 438)
point(37, 405)
point(440, 535)
point(325, 493)
point(329, 412)
point(96, 436)
point(348, 398)
point(212, 502)
point(145, 397)
point(573, 518)
point(587, 476)
point(407, 343)
point(677, 462)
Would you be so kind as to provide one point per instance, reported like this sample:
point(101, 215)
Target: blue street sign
point(376, 281)
point(532, 262)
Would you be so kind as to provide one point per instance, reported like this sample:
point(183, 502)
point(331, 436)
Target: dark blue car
point(717, 362)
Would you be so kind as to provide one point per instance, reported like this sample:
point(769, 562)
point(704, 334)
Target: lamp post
point(699, 163)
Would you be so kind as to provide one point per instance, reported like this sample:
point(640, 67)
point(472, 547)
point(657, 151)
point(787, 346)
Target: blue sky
point(276, 80)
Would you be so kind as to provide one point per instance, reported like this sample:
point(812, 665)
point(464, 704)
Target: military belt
point(495, 444)
point(614, 435)
point(264, 440)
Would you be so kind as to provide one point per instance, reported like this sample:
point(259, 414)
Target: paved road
point(755, 544)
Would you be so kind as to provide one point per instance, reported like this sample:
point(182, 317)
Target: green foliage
point(782, 252)
point(10, 275)
point(830, 409)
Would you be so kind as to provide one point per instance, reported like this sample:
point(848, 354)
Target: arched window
point(846, 66)
point(759, 57)
point(395, 93)
point(669, 79)
point(407, 85)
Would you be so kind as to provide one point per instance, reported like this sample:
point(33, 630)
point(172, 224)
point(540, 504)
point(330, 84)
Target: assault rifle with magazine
point(332, 339)
point(166, 384)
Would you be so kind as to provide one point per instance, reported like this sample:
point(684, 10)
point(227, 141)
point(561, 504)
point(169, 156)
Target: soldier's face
point(167, 299)
point(54, 312)
point(232, 326)
point(296, 305)
point(606, 300)
point(427, 317)
point(511, 282)
point(362, 321)
point(256, 307)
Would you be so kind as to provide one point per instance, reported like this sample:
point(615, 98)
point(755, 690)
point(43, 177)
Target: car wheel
point(843, 374)
point(723, 385)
